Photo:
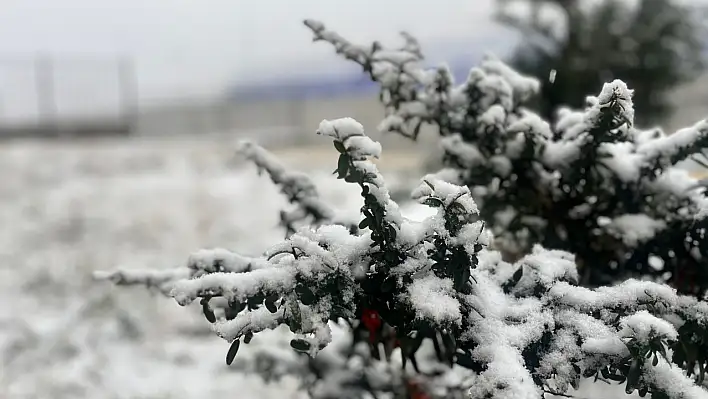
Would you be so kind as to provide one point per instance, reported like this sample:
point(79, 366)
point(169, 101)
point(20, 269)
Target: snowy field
point(67, 209)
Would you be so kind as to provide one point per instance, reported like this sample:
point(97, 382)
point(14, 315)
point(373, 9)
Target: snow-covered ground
point(67, 209)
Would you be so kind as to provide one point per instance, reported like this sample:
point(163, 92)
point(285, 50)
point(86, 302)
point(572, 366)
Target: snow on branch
point(160, 279)
point(434, 287)
point(320, 267)
point(203, 261)
point(567, 185)
point(428, 306)
point(667, 150)
point(221, 260)
point(296, 186)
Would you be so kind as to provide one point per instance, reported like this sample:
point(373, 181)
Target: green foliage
point(653, 45)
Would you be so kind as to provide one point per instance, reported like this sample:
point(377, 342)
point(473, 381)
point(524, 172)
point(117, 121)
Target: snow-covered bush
point(592, 184)
point(462, 321)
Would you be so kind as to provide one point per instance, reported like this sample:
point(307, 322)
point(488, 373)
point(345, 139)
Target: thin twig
point(562, 394)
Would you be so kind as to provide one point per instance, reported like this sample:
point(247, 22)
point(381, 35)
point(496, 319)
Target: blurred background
point(118, 120)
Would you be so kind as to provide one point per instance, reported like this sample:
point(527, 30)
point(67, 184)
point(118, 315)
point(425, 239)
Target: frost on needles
point(591, 183)
point(466, 322)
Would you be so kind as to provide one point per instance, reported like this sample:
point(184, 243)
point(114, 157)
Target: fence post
point(46, 97)
point(128, 91)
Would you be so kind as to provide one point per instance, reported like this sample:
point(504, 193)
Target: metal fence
point(51, 95)
point(44, 92)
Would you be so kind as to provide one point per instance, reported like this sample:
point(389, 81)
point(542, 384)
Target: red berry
point(371, 319)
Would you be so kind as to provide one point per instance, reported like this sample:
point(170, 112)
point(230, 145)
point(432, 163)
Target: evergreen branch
point(666, 151)
point(297, 187)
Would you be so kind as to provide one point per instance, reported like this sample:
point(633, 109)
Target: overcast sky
point(186, 47)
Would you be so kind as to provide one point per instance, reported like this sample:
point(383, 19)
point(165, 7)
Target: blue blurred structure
point(460, 56)
point(356, 83)
point(293, 88)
